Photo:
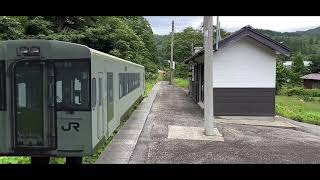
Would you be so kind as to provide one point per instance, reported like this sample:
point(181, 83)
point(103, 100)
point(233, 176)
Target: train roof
point(114, 57)
point(51, 49)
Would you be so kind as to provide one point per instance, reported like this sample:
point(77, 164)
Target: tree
point(311, 41)
point(10, 28)
point(128, 37)
point(298, 68)
point(282, 74)
point(143, 29)
point(159, 41)
point(182, 46)
point(113, 35)
point(181, 70)
point(61, 23)
point(37, 26)
point(315, 67)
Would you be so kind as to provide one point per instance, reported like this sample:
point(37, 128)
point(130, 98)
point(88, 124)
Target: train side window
point(2, 86)
point(59, 91)
point(137, 81)
point(94, 93)
point(22, 95)
point(123, 82)
point(123, 85)
point(77, 89)
point(120, 86)
point(134, 81)
point(130, 82)
point(100, 91)
point(106, 85)
point(126, 84)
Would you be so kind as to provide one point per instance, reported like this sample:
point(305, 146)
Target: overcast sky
point(162, 24)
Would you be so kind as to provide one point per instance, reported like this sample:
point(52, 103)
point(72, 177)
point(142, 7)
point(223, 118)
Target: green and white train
point(60, 99)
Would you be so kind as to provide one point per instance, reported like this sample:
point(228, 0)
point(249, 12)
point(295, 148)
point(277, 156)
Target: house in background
point(244, 74)
point(311, 81)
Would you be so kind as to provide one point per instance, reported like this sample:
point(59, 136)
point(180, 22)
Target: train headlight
point(23, 51)
point(34, 51)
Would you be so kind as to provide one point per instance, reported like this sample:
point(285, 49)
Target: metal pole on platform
point(171, 61)
point(208, 76)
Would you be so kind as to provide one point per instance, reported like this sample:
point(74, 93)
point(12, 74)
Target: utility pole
point(171, 62)
point(192, 49)
point(208, 76)
point(217, 33)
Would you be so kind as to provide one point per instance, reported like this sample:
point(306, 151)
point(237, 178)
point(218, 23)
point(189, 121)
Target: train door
point(110, 97)
point(34, 105)
point(100, 108)
point(104, 107)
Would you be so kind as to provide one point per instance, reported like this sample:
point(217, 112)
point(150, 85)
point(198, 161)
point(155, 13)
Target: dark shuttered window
point(128, 82)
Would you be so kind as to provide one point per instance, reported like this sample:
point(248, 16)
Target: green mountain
point(311, 32)
point(307, 42)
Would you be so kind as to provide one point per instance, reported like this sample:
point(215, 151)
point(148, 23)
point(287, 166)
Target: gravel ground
point(243, 143)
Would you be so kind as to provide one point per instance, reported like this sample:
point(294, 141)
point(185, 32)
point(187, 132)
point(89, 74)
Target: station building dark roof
point(313, 76)
point(249, 32)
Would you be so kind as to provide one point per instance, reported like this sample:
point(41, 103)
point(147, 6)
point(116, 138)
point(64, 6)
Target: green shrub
point(299, 91)
point(183, 83)
point(307, 98)
point(181, 71)
point(15, 160)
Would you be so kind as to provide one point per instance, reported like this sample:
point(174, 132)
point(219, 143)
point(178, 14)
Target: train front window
point(2, 86)
point(72, 82)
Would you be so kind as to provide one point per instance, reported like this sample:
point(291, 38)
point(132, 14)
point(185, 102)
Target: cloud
point(162, 24)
